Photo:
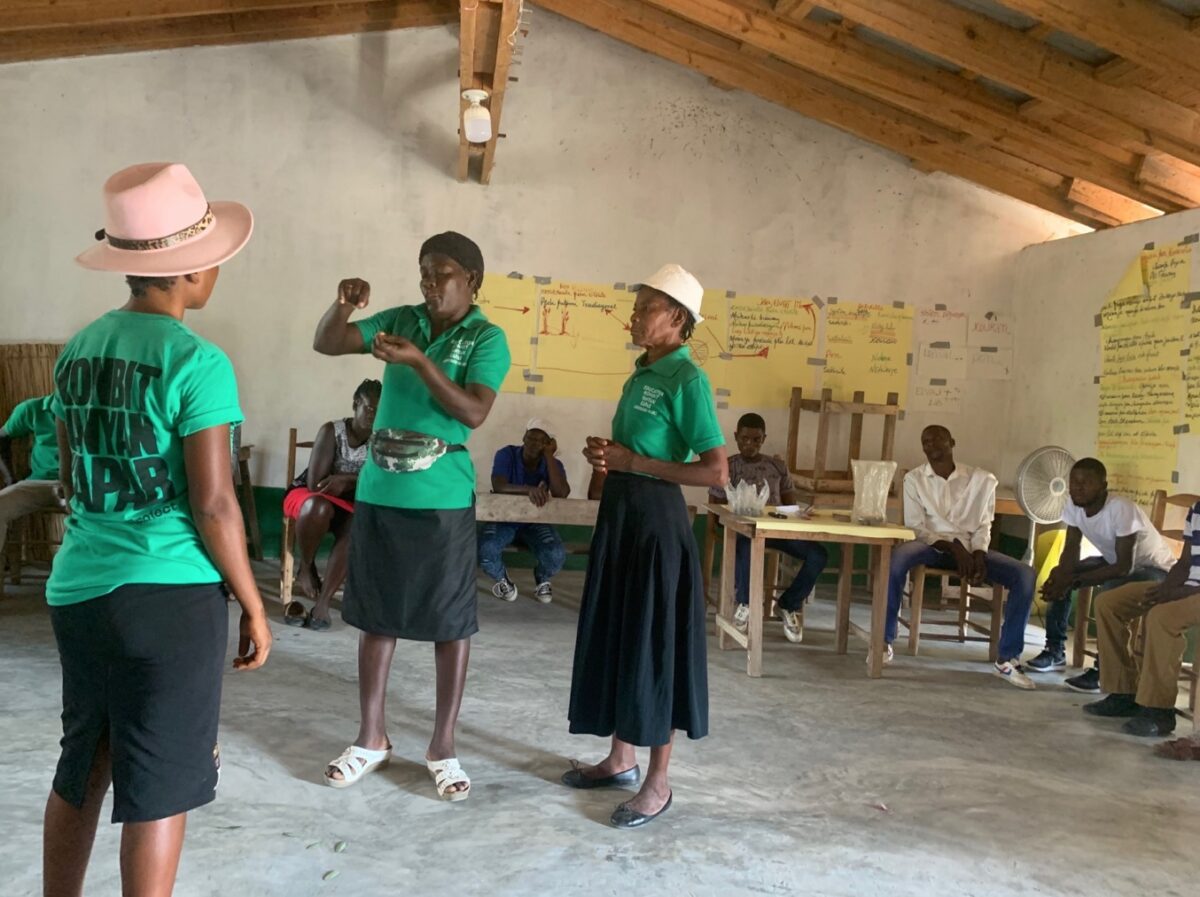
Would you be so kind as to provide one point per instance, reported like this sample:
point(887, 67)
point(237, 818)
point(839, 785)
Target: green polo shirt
point(472, 351)
point(34, 418)
point(666, 410)
point(130, 387)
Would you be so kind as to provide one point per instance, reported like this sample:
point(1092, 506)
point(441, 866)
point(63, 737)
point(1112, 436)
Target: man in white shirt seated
point(950, 507)
point(1131, 550)
point(1147, 692)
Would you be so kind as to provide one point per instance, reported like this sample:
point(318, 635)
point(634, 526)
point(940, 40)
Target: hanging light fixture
point(477, 119)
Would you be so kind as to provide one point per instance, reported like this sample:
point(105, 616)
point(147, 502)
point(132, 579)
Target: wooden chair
point(288, 531)
point(31, 539)
point(966, 629)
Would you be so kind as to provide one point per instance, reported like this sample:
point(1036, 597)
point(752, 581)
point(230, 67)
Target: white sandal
point(447, 773)
point(354, 763)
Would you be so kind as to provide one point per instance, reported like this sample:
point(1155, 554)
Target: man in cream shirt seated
point(950, 507)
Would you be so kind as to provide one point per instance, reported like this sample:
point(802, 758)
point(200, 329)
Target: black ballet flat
point(623, 817)
point(574, 778)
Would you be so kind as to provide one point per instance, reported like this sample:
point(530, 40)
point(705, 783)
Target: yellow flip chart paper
point(510, 303)
point(709, 341)
point(583, 348)
point(1143, 328)
point(769, 341)
point(867, 348)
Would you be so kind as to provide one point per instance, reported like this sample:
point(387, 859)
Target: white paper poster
point(937, 363)
point(941, 325)
point(991, 330)
point(987, 363)
point(940, 399)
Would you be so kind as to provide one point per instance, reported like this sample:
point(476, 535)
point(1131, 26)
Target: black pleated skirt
point(641, 651)
point(412, 573)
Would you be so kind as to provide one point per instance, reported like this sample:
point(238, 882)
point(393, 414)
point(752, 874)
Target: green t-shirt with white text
point(666, 410)
point(472, 351)
point(129, 387)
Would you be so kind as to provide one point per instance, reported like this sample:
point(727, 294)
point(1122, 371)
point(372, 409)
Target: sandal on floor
point(446, 773)
point(1179, 749)
point(354, 763)
point(311, 622)
point(294, 614)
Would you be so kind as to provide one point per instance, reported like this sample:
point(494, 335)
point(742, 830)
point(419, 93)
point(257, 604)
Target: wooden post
point(879, 610)
point(725, 609)
point(845, 575)
point(822, 448)
point(755, 595)
point(856, 428)
point(916, 605)
point(793, 434)
point(889, 430)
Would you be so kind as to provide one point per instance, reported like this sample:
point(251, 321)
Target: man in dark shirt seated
point(527, 469)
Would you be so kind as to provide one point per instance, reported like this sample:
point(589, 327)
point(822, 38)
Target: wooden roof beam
point(914, 86)
point(658, 33)
point(246, 27)
point(794, 9)
point(1168, 178)
point(1144, 121)
point(1144, 31)
point(1110, 204)
point(32, 14)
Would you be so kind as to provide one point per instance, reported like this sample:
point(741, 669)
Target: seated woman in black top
point(321, 500)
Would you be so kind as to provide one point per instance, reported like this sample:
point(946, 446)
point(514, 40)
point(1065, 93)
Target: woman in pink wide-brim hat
point(138, 592)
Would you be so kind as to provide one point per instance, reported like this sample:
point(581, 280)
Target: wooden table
point(823, 526)
point(493, 508)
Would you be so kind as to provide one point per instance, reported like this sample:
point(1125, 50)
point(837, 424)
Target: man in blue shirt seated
point(527, 469)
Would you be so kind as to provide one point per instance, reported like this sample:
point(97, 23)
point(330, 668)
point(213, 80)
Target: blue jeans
point(540, 538)
point(1057, 612)
point(1002, 570)
point(811, 554)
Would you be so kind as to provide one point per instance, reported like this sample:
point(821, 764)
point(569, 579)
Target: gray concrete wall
point(615, 162)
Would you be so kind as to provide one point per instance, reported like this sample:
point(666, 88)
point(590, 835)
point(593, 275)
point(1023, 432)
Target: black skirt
point(412, 573)
point(641, 651)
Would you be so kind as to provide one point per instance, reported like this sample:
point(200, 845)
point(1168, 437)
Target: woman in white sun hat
point(640, 654)
point(136, 596)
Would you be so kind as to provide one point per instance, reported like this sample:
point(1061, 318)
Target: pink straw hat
point(157, 223)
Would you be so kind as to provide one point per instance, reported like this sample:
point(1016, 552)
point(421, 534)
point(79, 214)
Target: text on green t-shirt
point(129, 388)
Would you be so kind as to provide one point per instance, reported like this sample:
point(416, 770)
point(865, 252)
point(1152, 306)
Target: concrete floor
point(937, 780)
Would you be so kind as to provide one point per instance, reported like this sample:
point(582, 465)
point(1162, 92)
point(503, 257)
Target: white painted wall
point(615, 162)
point(1058, 289)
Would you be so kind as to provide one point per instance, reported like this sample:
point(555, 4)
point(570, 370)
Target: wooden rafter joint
point(488, 32)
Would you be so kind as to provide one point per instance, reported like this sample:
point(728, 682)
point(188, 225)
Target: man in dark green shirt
point(39, 491)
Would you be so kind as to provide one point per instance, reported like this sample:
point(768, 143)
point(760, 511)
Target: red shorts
point(295, 499)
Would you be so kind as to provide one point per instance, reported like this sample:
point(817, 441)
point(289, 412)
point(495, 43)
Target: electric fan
point(1042, 489)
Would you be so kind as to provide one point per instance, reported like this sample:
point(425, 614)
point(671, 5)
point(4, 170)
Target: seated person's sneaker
point(1047, 662)
point(1151, 722)
point(1113, 705)
point(1011, 672)
point(1088, 682)
point(793, 625)
point(505, 590)
point(741, 617)
point(543, 594)
point(888, 655)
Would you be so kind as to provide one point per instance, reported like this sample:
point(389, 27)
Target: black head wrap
point(454, 245)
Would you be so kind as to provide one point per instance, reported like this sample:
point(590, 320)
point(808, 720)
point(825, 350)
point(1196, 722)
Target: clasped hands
point(606, 455)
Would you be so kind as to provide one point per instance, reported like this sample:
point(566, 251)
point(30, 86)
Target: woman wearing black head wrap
point(412, 547)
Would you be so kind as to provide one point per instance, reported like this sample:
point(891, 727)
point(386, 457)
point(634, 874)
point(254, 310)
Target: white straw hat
point(680, 286)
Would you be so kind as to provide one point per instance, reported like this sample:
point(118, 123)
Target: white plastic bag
point(746, 499)
point(872, 482)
